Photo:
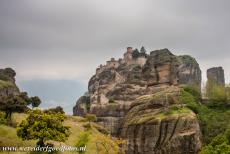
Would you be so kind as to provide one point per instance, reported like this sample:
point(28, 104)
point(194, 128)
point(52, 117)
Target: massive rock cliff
point(114, 95)
point(7, 82)
point(159, 123)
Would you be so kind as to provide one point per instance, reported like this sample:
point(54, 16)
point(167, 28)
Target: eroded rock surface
point(216, 75)
point(7, 82)
point(189, 71)
point(159, 123)
point(115, 91)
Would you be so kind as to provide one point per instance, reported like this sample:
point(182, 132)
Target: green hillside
point(96, 142)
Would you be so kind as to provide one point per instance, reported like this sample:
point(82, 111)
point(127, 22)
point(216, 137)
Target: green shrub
point(217, 94)
point(194, 91)
point(2, 118)
point(83, 139)
point(111, 100)
point(189, 100)
point(87, 126)
point(219, 144)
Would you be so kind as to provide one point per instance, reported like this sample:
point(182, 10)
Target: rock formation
point(120, 88)
point(7, 82)
point(216, 75)
point(189, 71)
point(158, 124)
point(83, 105)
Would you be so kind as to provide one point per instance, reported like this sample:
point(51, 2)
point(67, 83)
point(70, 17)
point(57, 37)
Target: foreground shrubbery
point(43, 126)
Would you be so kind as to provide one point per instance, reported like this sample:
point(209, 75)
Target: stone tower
point(216, 75)
point(128, 54)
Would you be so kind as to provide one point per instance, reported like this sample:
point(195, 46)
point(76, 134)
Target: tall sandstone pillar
point(216, 75)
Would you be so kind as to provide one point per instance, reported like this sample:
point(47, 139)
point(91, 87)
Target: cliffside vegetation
point(213, 118)
point(5, 84)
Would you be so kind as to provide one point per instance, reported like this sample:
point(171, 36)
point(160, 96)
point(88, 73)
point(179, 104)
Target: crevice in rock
point(165, 133)
point(135, 139)
point(159, 138)
point(174, 129)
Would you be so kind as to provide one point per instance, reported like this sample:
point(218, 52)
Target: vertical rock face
point(83, 105)
point(120, 95)
point(7, 82)
point(189, 71)
point(157, 124)
point(216, 75)
point(161, 67)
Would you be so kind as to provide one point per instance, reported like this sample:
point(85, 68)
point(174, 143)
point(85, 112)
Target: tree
point(35, 101)
point(91, 117)
point(143, 50)
point(193, 90)
point(43, 126)
point(13, 103)
point(135, 53)
point(58, 109)
point(217, 94)
point(17, 103)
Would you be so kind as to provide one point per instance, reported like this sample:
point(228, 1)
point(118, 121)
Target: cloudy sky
point(55, 45)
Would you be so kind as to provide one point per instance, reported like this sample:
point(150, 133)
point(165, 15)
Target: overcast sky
point(56, 45)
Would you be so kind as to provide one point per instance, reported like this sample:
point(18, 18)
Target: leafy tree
point(135, 53)
point(17, 103)
point(217, 94)
point(190, 101)
point(193, 90)
point(219, 144)
point(43, 126)
point(13, 103)
point(143, 50)
point(35, 101)
point(58, 109)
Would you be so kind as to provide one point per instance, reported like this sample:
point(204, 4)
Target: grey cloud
point(56, 34)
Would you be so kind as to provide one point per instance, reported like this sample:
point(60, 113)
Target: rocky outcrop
point(189, 71)
point(7, 82)
point(216, 75)
point(161, 67)
point(159, 123)
point(115, 91)
point(83, 105)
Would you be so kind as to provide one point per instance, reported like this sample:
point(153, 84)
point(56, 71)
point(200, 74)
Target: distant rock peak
point(216, 75)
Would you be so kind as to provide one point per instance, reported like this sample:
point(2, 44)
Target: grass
point(98, 142)
point(160, 115)
point(5, 84)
